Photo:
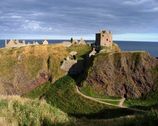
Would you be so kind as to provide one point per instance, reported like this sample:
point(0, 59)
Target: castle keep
point(104, 38)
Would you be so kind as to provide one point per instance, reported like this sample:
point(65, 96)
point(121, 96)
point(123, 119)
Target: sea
point(151, 47)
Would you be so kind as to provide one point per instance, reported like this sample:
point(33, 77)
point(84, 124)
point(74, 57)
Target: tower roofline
point(103, 31)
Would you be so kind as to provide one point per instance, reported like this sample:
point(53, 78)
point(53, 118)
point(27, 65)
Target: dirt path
point(121, 102)
point(105, 99)
point(96, 100)
point(120, 105)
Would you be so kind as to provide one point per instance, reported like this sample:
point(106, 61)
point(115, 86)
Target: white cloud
point(61, 17)
point(135, 2)
point(154, 9)
point(35, 26)
point(16, 17)
point(10, 16)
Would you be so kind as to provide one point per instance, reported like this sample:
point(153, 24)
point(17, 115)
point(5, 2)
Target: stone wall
point(104, 38)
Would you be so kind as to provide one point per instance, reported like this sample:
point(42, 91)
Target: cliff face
point(23, 69)
point(129, 74)
point(126, 74)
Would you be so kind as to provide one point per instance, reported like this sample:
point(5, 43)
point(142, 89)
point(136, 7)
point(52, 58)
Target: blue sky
point(61, 19)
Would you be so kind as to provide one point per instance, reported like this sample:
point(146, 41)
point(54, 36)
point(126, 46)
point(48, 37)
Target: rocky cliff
point(126, 74)
point(25, 68)
point(22, 69)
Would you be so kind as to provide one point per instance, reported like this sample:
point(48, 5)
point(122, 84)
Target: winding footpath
point(121, 102)
point(120, 105)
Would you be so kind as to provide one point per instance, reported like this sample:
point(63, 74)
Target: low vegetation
point(20, 67)
point(150, 100)
point(57, 101)
point(88, 90)
point(17, 111)
point(124, 74)
point(81, 50)
point(38, 92)
point(64, 96)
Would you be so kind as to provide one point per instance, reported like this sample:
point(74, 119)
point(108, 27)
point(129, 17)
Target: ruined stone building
point(18, 43)
point(14, 43)
point(76, 42)
point(45, 42)
point(82, 42)
point(34, 43)
point(104, 38)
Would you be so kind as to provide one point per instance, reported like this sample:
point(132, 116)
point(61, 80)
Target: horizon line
point(84, 39)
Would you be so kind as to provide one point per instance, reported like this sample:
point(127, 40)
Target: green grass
point(64, 96)
point(34, 64)
point(88, 90)
point(39, 91)
point(151, 99)
point(111, 101)
point(19, 111)
point(148, 119)
point(139, 103)
point(25, 112)
point(22, 66)
point(6, 65)
point(148, 102)
point(125, 121)
point(91, 89)
point(3, 104)
point(80, 49)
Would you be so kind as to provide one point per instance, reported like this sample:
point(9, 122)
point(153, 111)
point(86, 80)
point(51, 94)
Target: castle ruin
point(45, 42)
point(18, 43)
point(104, 38)
point(14, 43)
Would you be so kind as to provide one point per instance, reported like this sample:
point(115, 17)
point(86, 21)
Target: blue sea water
point(151, 47)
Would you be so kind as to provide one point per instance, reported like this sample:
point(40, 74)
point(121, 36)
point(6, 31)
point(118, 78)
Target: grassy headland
point(59, 91)
point(17, 111)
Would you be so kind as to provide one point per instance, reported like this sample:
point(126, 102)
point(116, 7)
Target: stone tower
point(104, 38)
point(6, 42)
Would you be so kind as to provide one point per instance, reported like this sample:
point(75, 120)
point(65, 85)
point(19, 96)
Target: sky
point(135, 20)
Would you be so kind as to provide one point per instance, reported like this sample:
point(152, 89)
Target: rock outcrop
point(125, 74)
point(23, 69)
point(69, 61)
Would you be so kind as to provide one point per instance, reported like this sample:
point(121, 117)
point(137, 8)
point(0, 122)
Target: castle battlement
point(18, 43)
point(104, 38)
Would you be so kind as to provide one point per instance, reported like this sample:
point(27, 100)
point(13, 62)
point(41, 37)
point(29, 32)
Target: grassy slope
point(32, 59)
point(24, 112)
point(22, 66)
point(80, 49)
point(150, 101)
point(142, 103)
point(90, 91)
point(39, 91)
point(63, 95)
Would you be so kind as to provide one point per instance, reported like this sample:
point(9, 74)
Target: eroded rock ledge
point(126, 74)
